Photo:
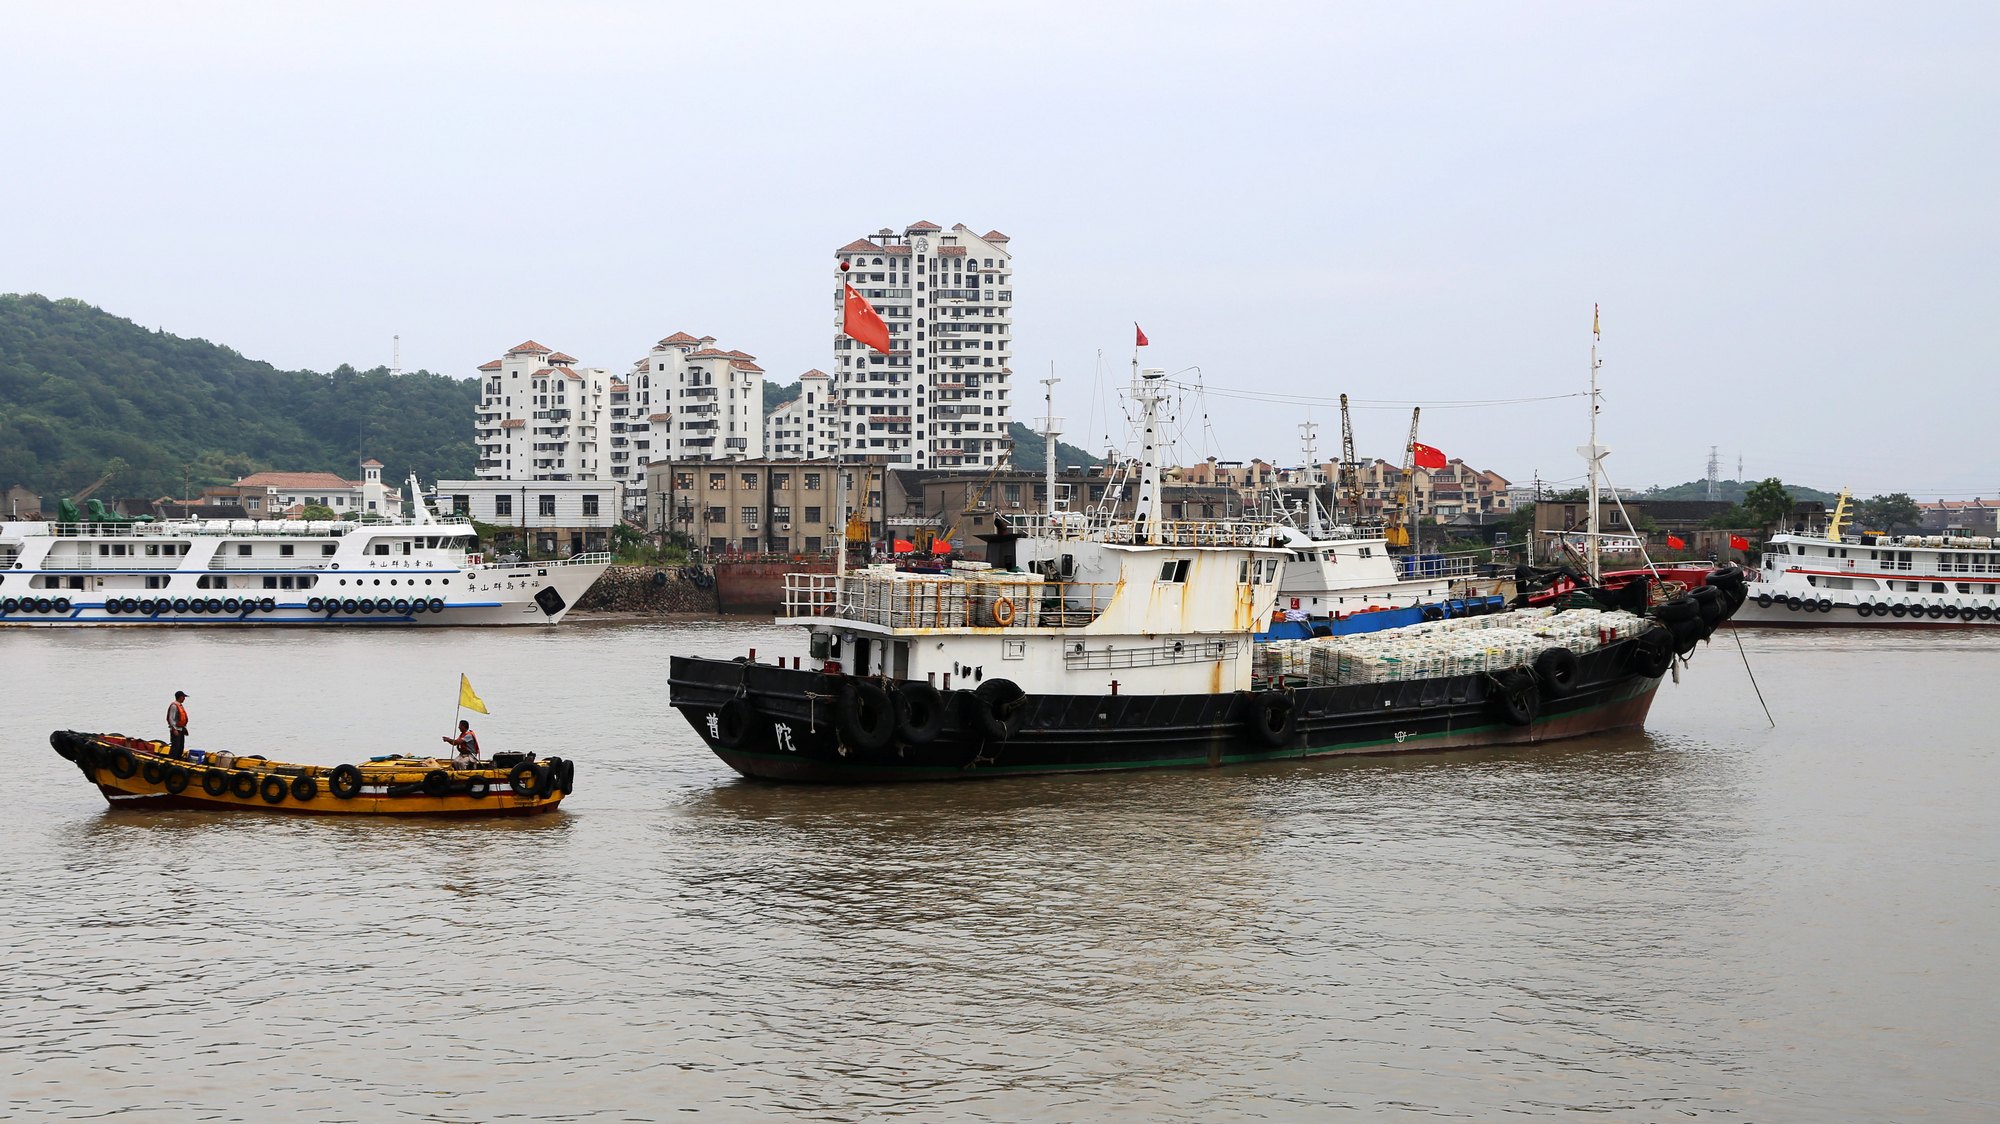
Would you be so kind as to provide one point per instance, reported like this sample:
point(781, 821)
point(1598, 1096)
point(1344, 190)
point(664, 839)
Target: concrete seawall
point(650, 589)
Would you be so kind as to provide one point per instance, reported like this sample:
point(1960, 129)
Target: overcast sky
point(1787, 211)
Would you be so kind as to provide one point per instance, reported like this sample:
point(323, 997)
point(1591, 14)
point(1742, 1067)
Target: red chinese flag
point(1426, 457)
point(1141, 332)
point(904, 546)
point(860, 320)
point(1677, 542)
point(1738, 542)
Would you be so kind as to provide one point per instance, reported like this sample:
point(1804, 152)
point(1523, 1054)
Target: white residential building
point(804, 428)
point(941, 397)
point(551, 516)
point(270, 495)
point(541, 417)
point(686, 399)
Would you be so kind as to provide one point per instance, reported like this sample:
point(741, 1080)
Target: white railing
point(923, 601)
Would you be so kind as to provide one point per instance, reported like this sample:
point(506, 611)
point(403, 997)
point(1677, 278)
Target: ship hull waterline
point(1059, 734)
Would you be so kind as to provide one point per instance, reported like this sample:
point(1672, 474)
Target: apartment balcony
point(698, 392)
point(701, 424)
point(736, 443)
point(699, 442)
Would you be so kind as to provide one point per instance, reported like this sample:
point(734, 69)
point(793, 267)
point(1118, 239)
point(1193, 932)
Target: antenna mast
point(1051, 426)
point(1595, 454)
point(396, 354)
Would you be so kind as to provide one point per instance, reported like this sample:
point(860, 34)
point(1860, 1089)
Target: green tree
point(317, 511)
point(1895, 511)
point(1768, 503)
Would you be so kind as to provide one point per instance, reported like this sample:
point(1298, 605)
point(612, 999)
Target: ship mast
point(1050, 427)
point(1593, 453)
point(1146, 392)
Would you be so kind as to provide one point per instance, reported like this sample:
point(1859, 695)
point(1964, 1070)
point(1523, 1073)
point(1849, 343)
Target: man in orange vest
point(177, 725)
point(467, 745)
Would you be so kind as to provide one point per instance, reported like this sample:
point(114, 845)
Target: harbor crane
point(1405, 532)
point(1347, 481)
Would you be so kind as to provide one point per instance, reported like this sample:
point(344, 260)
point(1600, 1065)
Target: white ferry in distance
point(1835, 579)
point(224, 572)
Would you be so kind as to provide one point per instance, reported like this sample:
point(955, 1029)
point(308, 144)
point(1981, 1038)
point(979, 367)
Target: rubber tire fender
point(529, 779)
point(304, 789)
point(243, 785)
point(1557, 668)
point(1864, 609)
point(274, 788)
point(865, 716)
point(1984, 612)
point(231, 605)
point(738, 724)
point(568, 776)
point(64, 742)
point(315, 604)
point(1710, 604)
point(1935, 612)
point(1514, 697)
point(1273, 718)
point(215, 782)
point(344, 782)
point(120, 763)
point(1679, 609)
point(1006, 701)
point(478, 787)
point(152, 772)
point(437, 782)
point(659, 578)
point(1899, 610)
point(175, 780)
point(920, 712)
point(62, 604)
point(555, 768)
point(1687, 635)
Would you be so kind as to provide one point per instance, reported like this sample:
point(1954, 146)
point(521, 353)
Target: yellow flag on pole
point(467, 699)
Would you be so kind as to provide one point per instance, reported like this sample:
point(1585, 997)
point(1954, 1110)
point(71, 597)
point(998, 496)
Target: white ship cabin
point(1067, 606)
point(179, 557)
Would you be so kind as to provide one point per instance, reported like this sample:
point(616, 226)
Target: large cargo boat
point(1093, 643)
point(230, 572)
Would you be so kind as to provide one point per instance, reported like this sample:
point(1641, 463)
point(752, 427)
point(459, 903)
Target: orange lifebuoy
point(1003, 612)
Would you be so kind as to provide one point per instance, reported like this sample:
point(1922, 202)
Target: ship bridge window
point(285, 550)
point(381, 548)
point(1174, 571)
point(243, 550)
point(327, 550)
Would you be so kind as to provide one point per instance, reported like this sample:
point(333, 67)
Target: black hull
point(795, 736)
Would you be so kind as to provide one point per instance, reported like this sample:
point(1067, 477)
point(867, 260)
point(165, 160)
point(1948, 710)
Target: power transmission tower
point(1714, 473)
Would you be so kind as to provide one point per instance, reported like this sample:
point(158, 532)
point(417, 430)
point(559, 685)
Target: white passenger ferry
point(219, 572)
point(1833, 578)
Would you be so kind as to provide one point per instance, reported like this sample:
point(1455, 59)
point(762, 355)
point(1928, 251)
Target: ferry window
point(327, 549)
point(1937, 587)
point(152, 549)
point(1174, 571)
point(1365, 552)
point(285, 550)
point(270, 582)
point(243, 550)
point(103, 550)
point(381, 548)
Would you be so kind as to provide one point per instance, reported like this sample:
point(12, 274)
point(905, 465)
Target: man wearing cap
point(177, 725)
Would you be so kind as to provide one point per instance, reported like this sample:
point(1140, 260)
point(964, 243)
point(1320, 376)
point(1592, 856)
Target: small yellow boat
point(137, 773)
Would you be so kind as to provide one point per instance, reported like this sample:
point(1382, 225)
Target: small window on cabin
point(243, 550)
point(284, 550)
point(1174, 571)
point(326, 549)
point(1243, 572)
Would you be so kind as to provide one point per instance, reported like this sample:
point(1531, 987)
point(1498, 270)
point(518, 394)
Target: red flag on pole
point(860, 320)
point(1676, 542)
point(1141, 332)
point(1738, 542)
point(1426, 457)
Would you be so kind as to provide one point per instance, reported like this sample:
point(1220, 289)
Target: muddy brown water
point(1709, 919)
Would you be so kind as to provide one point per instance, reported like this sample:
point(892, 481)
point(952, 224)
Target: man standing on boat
point(177, 725)
point(466, 744)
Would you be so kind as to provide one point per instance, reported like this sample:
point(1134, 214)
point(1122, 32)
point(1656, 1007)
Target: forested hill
point(80, 387)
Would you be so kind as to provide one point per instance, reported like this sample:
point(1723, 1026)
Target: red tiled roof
point(530, 346)
point(618, 387)
point(559, 357)
point(745, 365)
point(923, 224)
point(678, 337)
point(706, 352)
point(741, 355)
point(545, 372)
point(952, 251)
point(658, 417)
point(493, 366)
point(859, 246)
point(895, 249)
point(995, 236)
point(290, 480)
point(371, 462)
point(815, 373)
point(513, 423)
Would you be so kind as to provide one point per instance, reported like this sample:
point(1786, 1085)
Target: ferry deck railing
point(912, 601)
